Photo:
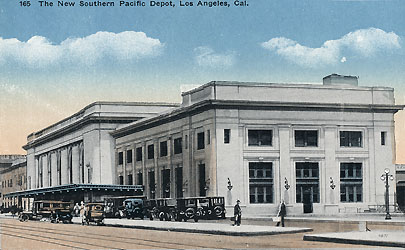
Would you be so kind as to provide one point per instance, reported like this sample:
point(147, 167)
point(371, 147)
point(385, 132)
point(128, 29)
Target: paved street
point(45, 235)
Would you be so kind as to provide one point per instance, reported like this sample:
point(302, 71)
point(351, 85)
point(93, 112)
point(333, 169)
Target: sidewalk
point(374, 238)
point(198, 227)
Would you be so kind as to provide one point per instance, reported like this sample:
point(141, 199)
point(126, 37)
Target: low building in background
point(400, 185)
point(13, 179)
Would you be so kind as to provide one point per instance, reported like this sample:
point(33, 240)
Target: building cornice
point(250, 105)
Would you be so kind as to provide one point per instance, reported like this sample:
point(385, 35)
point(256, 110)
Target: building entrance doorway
point(307, 199)
point(307, 188)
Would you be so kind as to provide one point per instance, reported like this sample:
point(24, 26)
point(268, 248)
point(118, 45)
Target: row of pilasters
point(60, 167)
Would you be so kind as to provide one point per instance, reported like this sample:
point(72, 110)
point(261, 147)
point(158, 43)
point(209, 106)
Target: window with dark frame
point(261, 182)
point(351, 139)
point(178, 148)
point(120, 158)
point(383, 137)
point(200, 140)
point(163, 148)
point(351, 182)
point(130, 179)
point(139, 154)
point(306, 138)
point(129, 156)
point(151, 151)
point(260, 137)
point(208, 137)
point(139, 177)
point(227, 136)
point(121, 180)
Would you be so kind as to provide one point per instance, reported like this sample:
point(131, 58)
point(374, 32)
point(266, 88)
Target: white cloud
point(365, 42)
point(343, 59)
point(40, 52)
point(206, 57)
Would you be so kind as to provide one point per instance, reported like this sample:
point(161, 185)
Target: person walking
point(76, 209)
point(237, 212)
point(82, 212)
point(282, 212)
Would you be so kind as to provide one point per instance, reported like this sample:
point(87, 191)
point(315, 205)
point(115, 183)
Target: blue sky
point(50, 56)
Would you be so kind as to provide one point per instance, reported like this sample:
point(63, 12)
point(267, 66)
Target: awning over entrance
point(65, 189)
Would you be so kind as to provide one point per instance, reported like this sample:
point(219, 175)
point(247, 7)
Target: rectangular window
point(351, 139)
point(208, 137)
point(129, 156)
point(261, 182)
point(227, 136)
point(130, 179)
point(179, 182)
point(383, 136)
point(351, 182)
point(152, 186)
point(163, 148)
point(120, 158)
point(151, 151)
point(178, 148)
point(306, 138)
point(139, 154)
point(307, 182)
point(139, 178)
point(200, 140)
point(186, 142)
point(258, 137)
point(121, 180)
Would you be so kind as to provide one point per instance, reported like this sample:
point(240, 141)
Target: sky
point(55, 60)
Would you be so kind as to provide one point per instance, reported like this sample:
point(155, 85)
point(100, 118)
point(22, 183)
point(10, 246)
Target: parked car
point(186, 209)
point(164, 209)
point(115, 207)
point(134, 208)
point(213, 207)
point(95, 212)
point(150, 208)
point(55, 211)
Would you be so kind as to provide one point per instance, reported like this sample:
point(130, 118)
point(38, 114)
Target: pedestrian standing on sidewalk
point(82, 212)
point(237, 212)
point(282, 212)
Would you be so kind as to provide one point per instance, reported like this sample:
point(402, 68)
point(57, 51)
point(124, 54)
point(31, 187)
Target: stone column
point(34, 178)
point(285, 167)
point(54, 169)
point(332, 167)
point(64, 166)
point(45, 173)
point(75, 164)
point(124, 165)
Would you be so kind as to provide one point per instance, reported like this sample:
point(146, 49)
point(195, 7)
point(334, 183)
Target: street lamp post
point(385, 177)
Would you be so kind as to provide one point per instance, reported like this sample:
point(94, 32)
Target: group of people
point(237, 212)
point(80, 210)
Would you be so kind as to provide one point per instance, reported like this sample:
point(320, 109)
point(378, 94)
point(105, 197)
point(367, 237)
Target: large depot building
point(320, 148)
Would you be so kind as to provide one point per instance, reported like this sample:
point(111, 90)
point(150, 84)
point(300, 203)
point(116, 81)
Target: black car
point(134, 208)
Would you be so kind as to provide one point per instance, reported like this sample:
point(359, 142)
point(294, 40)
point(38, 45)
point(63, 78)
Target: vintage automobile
point(213, 207)
point(150, 208)
point(55, 211)
point(134, 208)
point(186, 209)
point(115, 207)
point(94, 212)
point(164, 209)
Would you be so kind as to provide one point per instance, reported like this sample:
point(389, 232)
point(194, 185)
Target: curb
point(215, 232)
point(353, 241)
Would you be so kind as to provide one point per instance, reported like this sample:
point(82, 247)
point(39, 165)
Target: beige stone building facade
point(320, 148)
